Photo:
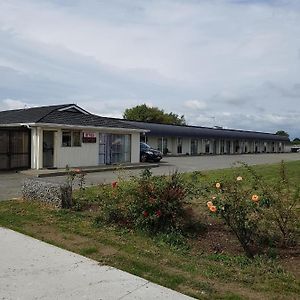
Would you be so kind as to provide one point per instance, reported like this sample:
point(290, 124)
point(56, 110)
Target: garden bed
point(207, 264)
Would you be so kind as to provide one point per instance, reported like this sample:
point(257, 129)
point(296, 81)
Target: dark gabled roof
point(28, 115)
point(56, 114)
point(165, 130)
point(73, 118)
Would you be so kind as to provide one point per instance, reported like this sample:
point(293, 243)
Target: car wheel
point(143, 158)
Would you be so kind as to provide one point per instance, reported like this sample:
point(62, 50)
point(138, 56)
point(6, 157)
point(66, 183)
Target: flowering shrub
point(254, 208)
point(233, 202)
point(158, 203)
point(153, 204)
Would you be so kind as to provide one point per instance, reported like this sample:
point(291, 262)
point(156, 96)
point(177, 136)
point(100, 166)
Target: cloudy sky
point(231, 63)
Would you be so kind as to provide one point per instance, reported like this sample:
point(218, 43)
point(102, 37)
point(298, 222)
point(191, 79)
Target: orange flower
point(209, 204)
point(218, 185)
point(213, 208)
point(255, 198)
point(239, 178)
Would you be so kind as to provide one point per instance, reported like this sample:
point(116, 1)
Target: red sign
point(89, 137)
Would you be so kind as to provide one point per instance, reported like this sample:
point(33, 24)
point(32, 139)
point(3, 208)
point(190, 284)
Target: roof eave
point(66, 126)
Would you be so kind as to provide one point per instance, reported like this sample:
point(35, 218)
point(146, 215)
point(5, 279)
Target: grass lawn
point(210, 266)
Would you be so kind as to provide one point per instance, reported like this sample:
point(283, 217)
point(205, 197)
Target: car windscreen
point(145, 146)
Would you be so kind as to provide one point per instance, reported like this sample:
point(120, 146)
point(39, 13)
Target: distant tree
point(153, 115)
point(282, 132)
point(296, 141)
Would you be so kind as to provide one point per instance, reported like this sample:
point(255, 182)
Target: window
point(207, 146)
point(66, 138)
point(120, 148)
point(162, 145)
point(194, 147)
point(159, 144)
point(179, 145)
point(71, 138)
point(144, 139)
point(76, 138)
point(222, 146)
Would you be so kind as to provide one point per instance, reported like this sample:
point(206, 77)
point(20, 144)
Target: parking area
point(11, 182)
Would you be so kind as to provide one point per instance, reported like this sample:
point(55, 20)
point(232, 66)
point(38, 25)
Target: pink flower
point(114, 184)
point(145, 214)
point(158, 213)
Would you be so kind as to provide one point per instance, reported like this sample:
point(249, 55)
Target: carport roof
point(165, 130)
point(65, 114)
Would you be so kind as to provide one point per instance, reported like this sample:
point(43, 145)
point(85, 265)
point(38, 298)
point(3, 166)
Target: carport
point(14, 148)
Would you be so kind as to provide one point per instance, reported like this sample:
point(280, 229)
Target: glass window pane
point(66, 138)
point(76, 138)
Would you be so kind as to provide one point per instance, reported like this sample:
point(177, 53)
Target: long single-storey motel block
point(60, 135)
point(196, 140)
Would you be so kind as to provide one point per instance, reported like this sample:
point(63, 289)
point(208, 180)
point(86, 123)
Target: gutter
point(64, 126)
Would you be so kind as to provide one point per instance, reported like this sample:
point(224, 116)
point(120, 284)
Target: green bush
point(235, 203)
point(256, 210)
point(281, 201)
point(149, 203)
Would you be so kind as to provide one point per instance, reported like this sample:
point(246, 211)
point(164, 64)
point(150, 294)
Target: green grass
point(191, 266)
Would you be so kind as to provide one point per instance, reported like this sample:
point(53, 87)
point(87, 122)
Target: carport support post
point(34, 148)
point(39, 148)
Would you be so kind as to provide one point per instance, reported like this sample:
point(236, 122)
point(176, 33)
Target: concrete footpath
point(31, 269)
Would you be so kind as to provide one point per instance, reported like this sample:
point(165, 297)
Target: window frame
point(71, 143)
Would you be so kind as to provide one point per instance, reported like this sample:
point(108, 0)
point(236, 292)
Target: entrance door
point(48, 149)
point(105, 148)
point(114, 148)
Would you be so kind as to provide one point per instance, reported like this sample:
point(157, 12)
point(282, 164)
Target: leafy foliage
point(148, 203)
point(282, 132)
point(152, 114)
point(256, 210)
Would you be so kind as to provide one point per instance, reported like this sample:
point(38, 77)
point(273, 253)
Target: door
point(114, 148)
point(105, 148)
point(14, 149)
point(48, 149)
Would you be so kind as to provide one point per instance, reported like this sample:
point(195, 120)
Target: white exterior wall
point(86, 155)
point(135, 147)
point(186, 145)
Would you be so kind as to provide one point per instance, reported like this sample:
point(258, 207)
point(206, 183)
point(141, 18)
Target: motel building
point(61, 135)
point(67, 135)
point(195, 140)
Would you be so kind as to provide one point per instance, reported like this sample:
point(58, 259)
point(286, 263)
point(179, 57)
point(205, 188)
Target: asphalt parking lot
point(11, 182)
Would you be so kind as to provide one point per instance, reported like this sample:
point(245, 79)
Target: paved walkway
point(10, 183)
point(31, 269)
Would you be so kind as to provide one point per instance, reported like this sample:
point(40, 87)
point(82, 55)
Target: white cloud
point(8, 104)
point(195, 104)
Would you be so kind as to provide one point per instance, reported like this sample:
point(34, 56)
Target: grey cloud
point(108, 55)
